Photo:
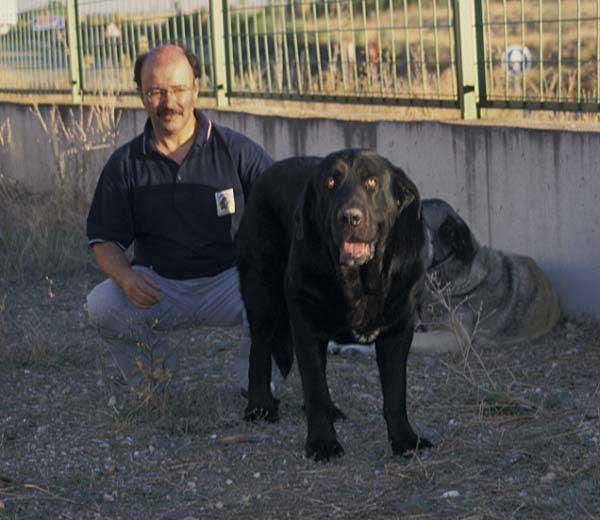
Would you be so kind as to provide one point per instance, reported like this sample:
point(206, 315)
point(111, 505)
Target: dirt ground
point(518, 439)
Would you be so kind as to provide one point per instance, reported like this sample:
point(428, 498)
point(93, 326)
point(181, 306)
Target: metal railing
point(383, 51)
point(470, 54)
point(539, 54)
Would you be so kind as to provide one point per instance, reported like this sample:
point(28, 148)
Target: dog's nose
point(351, 216)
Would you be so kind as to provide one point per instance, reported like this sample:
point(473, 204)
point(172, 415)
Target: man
point(176, 192)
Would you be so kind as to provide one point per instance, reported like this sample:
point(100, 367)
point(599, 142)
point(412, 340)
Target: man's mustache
point(167, 112)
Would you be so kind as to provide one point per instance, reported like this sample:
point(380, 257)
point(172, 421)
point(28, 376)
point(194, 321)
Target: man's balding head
point(163, 54)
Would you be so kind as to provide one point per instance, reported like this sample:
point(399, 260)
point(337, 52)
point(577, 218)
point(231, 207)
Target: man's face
point(168, 92)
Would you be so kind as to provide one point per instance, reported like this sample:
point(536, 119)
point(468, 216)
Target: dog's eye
point(371, 183)
point(330, 183)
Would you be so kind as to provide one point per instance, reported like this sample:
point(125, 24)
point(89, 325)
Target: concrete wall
point(528, 191)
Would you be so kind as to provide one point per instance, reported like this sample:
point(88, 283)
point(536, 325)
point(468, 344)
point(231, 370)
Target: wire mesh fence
point(34, 50)
point(529, 54)
point(543, 53)
point(110, 40)
point(392, 50)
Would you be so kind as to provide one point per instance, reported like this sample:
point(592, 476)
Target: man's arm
point(140, 289)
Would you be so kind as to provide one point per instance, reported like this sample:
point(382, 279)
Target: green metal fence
point(559, 45)
point(110, 41)
point(34, 55)
point(470, 54)
point(383, 51)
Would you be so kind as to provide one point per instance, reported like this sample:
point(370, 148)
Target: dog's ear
point(298, 223)
point(405, 192)
point(304, 213)
point(456, 235)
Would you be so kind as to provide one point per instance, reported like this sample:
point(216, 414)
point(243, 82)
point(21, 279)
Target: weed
point(45, 232)
point(492, 397)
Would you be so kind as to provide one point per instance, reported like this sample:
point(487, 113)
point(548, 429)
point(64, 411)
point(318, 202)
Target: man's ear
point(142, 96)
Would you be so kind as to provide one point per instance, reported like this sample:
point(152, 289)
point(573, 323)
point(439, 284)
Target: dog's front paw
point(324, 450)
point(334, 413)
point(410, 445)
point(264, 413)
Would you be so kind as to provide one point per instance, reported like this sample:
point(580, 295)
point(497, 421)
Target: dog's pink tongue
point(357, 249)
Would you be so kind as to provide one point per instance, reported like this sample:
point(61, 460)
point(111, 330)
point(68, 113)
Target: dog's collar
point(363, 338)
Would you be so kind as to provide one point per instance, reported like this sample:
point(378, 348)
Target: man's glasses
point(156, 94)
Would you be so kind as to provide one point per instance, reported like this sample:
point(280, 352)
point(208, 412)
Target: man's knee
point(104, 305)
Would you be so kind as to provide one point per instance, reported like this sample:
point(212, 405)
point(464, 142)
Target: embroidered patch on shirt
point(225, 202)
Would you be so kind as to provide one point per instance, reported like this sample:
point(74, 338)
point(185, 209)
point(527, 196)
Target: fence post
point(73, 39)
point(220, 78)
point(466, 58)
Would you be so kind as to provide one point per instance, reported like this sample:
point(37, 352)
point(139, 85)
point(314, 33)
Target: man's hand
point(140, 288)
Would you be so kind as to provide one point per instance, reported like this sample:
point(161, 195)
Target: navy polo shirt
point(182, 219)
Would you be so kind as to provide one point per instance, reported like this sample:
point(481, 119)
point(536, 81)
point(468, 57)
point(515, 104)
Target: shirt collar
point(203, 133)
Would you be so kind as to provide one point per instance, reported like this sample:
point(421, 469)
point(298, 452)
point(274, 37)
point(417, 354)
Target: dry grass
point(44, 233)
point(74, 445)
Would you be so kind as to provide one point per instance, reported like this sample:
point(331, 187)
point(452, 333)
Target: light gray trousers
point(135, 335)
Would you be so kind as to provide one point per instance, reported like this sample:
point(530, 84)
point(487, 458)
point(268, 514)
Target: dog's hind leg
point(392, 353)
point(265, 332)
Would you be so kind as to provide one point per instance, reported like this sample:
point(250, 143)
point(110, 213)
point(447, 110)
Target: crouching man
point(177, 192)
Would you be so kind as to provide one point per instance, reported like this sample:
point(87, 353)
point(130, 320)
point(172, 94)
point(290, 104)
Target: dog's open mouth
point(356, 253)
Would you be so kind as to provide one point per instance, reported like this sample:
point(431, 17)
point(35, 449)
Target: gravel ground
point(518, 437)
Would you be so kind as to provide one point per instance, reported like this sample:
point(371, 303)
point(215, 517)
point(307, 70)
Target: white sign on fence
point(517, 59)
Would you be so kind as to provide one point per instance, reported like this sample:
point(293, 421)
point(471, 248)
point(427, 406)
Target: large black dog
point(332, 248)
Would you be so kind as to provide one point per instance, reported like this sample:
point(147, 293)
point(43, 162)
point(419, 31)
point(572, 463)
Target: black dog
point(332, 248)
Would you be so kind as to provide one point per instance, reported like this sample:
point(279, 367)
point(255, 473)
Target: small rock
point(108, 498)
point(451, 494)
point(518, 456)
point(229, 482)
point(257, 475)
point(548, 477)
point(219, 505)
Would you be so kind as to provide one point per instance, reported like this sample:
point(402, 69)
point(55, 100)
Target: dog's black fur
point(332, 248)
